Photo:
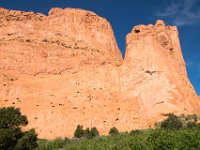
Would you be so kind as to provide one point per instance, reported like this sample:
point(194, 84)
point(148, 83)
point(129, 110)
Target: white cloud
point(169, 10)
point(181, 12)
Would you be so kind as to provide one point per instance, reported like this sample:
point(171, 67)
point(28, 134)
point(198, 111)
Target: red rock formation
point(66, 39)
point(158, 73)
point(66, 69)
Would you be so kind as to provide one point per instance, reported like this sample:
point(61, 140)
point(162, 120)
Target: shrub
point(12, 137)
point(191, 124)
point(27, 142)
point(87, 133)
point(79, 132)
point(93, 132)
point(134, 132)
point(172, 122)
point(192, 118)
point(113, 131)
point(58, 143)
point(9, 137)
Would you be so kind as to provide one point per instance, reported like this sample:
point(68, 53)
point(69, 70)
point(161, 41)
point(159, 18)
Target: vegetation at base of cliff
point(87, 133)
point(11, 135)
point(113, 131)
point(173, 133)
point(157, 139)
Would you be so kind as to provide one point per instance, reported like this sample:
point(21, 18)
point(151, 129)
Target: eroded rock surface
point(66, 69)
point(157, 72)
point(66, 39)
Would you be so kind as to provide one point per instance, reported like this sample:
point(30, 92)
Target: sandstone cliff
point(66, 69)
point(65, 39)
point(158, 73)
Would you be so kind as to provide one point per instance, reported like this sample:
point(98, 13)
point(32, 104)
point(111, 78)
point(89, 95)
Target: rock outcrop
point(66, 69)
point(157, 72)
point(65, 39)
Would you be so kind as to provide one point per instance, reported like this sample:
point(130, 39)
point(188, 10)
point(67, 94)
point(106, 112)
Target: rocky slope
point(66, 69)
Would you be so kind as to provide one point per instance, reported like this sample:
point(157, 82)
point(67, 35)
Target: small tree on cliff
point(11, 135)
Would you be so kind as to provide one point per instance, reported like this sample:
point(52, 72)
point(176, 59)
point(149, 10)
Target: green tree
point(172, 122)
point(28, 141)
point(93, 132)
point(11, 118)
point(87, 133)
point(9, 137)
point(79, 132)
point(113, 131)
point(11, 121)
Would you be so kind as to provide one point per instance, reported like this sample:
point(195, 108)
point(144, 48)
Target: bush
point(113, 131)
point(192, 118)
point(172, 122)
point(134, 132)
point(11, 135)
point(28, 141)
point(191, 124)
point(58, 143)
point(79, 132)
point(87, 133)
point(93, 132)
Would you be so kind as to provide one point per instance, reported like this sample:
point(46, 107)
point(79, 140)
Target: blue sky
point(125, 14)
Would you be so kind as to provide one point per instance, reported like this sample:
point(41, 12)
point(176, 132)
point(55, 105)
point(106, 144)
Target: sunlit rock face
point(66, 39)
point(154, 71)
point(66, 69)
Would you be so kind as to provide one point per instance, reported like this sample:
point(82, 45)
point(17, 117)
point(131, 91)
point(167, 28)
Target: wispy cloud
point(189, 63)
point(170, 10)
point(181, 12)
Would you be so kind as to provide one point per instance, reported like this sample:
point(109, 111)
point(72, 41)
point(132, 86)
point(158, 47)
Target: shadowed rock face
point(66, 69)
